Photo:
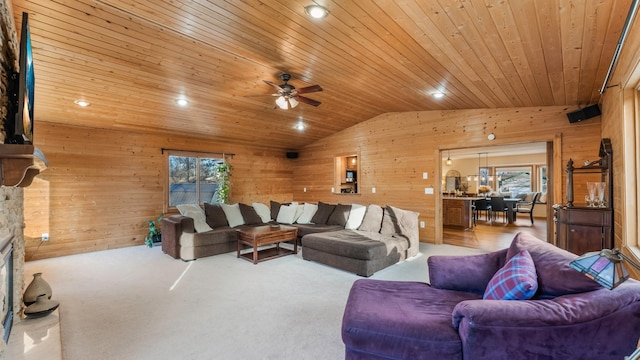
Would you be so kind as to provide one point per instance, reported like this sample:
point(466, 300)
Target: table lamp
point(604, 267)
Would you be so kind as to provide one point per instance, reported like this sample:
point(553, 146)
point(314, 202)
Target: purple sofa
point(570, 316)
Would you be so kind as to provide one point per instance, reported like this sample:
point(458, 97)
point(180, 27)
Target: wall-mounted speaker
point(584, 114)
point(292, 154)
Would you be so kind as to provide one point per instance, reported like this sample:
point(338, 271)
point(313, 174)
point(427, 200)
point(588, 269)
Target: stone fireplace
point(11, 197)
point(11, 226)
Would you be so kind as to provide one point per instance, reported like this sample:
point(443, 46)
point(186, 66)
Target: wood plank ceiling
point(132, 58)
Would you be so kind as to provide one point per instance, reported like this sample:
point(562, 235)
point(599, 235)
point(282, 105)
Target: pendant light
point(486, 164)
point(449, 158)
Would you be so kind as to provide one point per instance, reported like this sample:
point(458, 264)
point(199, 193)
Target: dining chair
point(482, 205)
point(498, 205)
point(526, 206)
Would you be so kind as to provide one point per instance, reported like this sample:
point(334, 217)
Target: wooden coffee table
point(265, 235)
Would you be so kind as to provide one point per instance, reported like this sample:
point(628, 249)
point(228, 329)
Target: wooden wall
point(618, 103)
point(396, 149)
point(102, 185)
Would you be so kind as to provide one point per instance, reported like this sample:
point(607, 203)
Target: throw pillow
point(555, 276)
point(233, 214)
point(287, 214)
point(355, 216)
point(275, 208)
point(183, 208)
point(322, 214)
point(249, 214)
point(215, 215)
point(372, 219)
point(517, 280)
point(199, 220)
point(339, 215)
point(299, 211)
point(307, 214)
point(263, 211)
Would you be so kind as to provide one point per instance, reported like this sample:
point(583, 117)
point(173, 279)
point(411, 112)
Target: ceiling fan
point(289, 96)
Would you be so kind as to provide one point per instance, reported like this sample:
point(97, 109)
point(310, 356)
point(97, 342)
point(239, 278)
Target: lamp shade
point(604, 267)
point(285, 103)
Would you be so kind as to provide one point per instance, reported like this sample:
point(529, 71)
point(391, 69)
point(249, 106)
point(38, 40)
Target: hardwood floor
point(494, 235)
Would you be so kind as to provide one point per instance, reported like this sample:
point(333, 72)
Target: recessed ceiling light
point(182, 102)
point(82, 103)
point(316, 11)
point(299, 126)
point(438, 95)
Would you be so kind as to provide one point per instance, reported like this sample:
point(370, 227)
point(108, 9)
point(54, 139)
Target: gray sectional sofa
point(362, 241)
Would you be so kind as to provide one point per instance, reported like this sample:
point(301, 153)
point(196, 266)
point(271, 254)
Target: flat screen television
point(19, 124)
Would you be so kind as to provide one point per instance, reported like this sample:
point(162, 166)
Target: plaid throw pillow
point(517, 280)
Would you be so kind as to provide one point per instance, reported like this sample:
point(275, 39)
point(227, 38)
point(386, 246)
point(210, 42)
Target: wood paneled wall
point(102, 185)
point(618, 103)
point(396, 149)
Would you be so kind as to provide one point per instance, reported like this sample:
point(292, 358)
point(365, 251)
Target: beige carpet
point(139, 303)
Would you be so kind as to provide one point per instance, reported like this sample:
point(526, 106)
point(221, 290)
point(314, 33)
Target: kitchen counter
point(457, 211)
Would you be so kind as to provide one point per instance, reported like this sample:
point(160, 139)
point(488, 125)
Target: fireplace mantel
point(19, 164)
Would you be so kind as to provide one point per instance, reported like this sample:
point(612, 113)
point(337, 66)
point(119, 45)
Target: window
point(630, 192)
point(516, 180)
point(192, 178)
point(542, 180)
point(484, 177)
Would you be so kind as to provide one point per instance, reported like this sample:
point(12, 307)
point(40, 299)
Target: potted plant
point(222, 176)
point(154, 235)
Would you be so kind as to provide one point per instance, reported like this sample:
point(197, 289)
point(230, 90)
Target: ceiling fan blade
point(260, 95)
point(309, 89)
point(274, 85)
point(308, 101)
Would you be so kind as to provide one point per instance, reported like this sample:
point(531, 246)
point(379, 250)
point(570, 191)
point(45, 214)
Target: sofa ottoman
point(360, 252)
point(385, 237)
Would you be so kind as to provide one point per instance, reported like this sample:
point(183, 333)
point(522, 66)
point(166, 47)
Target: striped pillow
point(517, 280)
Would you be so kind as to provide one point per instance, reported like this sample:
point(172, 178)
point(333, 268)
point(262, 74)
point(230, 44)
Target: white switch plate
point(428, 191)
point(305, 189)
point(373, 190)
point(333, 190)
point(425, 175)
point(422, 224)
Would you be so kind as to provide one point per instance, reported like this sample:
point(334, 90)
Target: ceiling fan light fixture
point(286, 103)
point(281, 102)
point(316, 11)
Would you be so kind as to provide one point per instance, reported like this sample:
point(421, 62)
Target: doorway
point(509, 170)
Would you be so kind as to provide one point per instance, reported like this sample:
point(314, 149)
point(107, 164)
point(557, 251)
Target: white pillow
point(199, 220)
point(263, 211)
point(233, 214)
point(184, 208)
point(287, 214)
point(299, 211)
point(307, 213)
point(355, 216)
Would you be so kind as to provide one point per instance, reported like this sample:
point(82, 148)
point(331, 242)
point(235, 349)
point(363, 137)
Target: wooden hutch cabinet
point(584, 229)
